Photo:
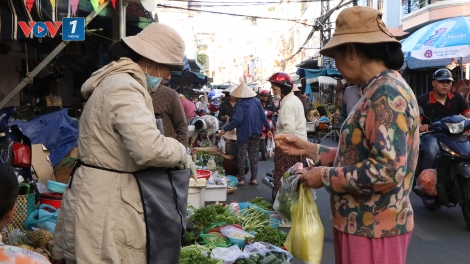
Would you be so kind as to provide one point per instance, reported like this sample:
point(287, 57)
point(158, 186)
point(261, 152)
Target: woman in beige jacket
point(101, 218)
point(291, 120)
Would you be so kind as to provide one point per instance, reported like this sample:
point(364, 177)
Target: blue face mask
point(152, 82)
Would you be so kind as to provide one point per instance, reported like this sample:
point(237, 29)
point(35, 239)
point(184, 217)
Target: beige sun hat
point(160, 43)
point(243, 91)
point(231, 135)
point(358, 24)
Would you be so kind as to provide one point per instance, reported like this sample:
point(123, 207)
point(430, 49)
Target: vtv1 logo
point(73, 28)
point(39, 29)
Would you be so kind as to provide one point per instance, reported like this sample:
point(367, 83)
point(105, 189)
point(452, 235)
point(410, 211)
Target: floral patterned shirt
point(373, 168)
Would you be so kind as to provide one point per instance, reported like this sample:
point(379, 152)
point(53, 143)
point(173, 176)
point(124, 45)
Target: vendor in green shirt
point(230, 163)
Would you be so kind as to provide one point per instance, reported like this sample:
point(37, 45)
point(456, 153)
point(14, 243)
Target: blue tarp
point(313, 73)
point(56, 131)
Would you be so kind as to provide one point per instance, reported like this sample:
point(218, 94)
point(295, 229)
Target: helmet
point(264, 92)
point(442, 75)
point(283, 80)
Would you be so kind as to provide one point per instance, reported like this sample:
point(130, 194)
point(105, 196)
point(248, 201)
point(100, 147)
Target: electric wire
point(319, 22)
point(232, 14)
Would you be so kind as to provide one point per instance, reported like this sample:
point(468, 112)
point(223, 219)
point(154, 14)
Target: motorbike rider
point(202, 105)
point(266, 102)
point(437, 104)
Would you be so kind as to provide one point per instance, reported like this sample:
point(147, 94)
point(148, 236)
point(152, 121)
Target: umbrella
point(448, 38)
point(215, 93)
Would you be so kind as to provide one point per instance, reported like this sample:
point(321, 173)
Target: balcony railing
point(410, 6)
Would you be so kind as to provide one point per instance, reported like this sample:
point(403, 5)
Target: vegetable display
point(270, 258)
point(245, 237)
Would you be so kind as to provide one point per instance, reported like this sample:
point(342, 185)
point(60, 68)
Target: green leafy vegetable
point(253, 218)
point(270, 235)
point(204, 216)
point(197, 254)
point(259, 201)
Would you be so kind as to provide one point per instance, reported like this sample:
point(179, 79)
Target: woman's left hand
point(312, 178)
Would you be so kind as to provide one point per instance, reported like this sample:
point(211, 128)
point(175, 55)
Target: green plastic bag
point(305, 238)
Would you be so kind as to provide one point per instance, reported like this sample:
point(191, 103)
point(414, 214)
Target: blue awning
point(313, 73)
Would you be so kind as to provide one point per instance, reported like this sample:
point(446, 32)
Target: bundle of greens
point(204, 216)
point(259, 201)
point(197, 254)
point(204, 157)
point(270, 235)
point(287, 196)
point(252, 219)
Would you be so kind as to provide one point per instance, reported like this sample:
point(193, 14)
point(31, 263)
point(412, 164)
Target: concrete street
point(438, 237)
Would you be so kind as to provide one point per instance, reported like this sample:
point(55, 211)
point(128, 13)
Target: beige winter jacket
point(291, 118)
point(101, 218)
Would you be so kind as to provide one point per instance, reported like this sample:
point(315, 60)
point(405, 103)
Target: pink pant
point(351, 249)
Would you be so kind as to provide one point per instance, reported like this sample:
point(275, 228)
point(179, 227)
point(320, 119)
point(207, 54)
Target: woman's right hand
point(293, 145)
point(194, 150)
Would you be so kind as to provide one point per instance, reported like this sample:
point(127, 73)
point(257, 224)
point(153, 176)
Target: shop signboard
point(73, 28)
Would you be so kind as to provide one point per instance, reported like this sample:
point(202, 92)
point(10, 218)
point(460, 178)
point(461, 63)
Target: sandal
point(254, 182)
point(241, 183)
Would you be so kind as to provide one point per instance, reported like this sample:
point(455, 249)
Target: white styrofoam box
point(216, 193)
point(196, 197)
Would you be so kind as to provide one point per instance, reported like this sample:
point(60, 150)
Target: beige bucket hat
point(358, 24)
point(160, 43)
point(243, 91)
point(231, 135)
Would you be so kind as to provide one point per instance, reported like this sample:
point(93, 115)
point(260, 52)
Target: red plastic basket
point(206, 174)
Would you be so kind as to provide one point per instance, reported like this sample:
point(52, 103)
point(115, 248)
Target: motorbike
point(15, 147)
point(214, 107)
point(312, 132)
point(263, 142)
point(453, 165)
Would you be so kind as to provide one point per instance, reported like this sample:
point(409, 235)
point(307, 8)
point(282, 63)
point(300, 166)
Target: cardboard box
point(41, 163)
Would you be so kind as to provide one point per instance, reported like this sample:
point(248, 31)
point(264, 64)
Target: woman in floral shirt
point(369, 175)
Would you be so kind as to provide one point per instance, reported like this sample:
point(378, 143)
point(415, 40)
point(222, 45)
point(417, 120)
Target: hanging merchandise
point(114, 3)
point(95, 5)
point(29, 4)
point(101, 2)
point(74, 4)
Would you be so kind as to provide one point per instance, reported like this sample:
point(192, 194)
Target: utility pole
point(325, 28)
point(119, 20)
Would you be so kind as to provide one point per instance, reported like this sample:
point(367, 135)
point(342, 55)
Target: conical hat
point(232, 134)
point(243, 91)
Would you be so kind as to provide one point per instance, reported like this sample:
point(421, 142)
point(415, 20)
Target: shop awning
point(312, 76)
point(187, 79)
